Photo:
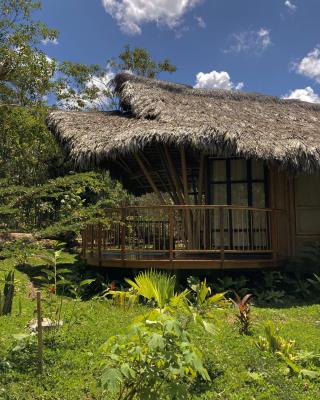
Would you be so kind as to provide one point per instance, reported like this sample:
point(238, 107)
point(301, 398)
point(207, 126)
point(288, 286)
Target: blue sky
point(268, 46)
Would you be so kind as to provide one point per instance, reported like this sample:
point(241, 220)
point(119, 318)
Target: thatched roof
point(217, 122)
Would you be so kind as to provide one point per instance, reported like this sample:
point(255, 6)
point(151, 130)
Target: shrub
point(155, 360)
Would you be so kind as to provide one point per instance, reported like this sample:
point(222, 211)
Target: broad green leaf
point(86, 282)
point(111, 379)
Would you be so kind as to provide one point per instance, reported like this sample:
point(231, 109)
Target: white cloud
point(310, 65)
point(250, 41)
point(306, 94)
point(216, 80)
point(131, 14)
point(290, 5)
point(49, 41)
point(201, 22)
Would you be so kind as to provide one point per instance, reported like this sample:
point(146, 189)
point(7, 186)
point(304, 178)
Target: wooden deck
point(187, 237)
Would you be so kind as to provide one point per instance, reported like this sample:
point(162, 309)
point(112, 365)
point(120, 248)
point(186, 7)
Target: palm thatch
point(215, 122)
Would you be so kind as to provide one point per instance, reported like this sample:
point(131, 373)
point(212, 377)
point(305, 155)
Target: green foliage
point(60, 207)
point(285, 349)
point(83, 86)
point(274, 343)
point(29, 155)
point(238, 369)
point(229, 283)
point(154, 286)
point(315, 282)
point(308, 260)
point(25, 71)
point(139, 62)
point(53, 276)
point(155, 360)
point(268, 296)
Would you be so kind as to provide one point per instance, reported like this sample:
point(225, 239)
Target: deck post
point(123, 234)
point(221, 224)
point(171, 222)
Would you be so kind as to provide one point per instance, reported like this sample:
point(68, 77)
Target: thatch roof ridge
point(123, 78)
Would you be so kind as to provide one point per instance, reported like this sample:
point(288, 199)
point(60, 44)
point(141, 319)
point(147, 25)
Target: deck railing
point(178, 232)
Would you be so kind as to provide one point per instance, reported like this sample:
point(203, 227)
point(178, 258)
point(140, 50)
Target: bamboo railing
point(180, 232)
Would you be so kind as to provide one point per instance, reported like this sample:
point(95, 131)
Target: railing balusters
point(171, 227)
point(142, 231)
point(221, 224)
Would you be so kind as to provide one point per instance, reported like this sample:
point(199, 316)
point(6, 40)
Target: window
point(307, 194)
point(236, 181)
point(239, 182)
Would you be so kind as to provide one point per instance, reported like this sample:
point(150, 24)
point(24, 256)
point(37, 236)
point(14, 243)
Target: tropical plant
point(229, 283)
point(271, 296)
point(298, 285)
point(53, 276)
point(242, 306)
point(315, 282)
point(285, 349)
point(308, 260)
point(156, 287)
point(155, 360)
point(272, 279)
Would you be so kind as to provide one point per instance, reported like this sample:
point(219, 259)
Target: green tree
point(25, 71)
point(82, 86)
point(29, 154)
point(139, 62)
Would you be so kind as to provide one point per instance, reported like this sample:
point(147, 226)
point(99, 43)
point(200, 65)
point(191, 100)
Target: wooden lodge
point(236, 176)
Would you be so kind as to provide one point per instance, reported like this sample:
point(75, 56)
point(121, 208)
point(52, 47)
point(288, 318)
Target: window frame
point(249, 181)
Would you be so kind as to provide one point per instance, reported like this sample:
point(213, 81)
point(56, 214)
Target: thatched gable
point(216, 122)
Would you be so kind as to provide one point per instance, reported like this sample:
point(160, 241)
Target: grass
point(73, 360)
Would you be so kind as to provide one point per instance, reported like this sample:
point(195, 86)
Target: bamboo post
point(174, 175)
point(40, 342)
point(149, 178)
point(221, 223)
point(187, 212)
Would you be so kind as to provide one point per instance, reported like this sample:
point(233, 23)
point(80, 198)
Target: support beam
point(184, 175)
point(174, 175)
point(146, 162)
point(172, 191)
point(149, 179)
point(200, 179)
point(187, 213)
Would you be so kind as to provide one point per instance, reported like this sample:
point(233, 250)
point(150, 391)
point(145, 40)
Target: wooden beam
point(174, 175)
point(172, 191)
point(221, 226)
point(200, 179)
point(157, 173)
point(187, 213)
point(184, 175)
point(149, 179)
